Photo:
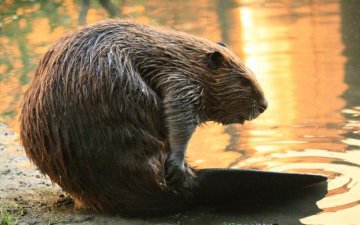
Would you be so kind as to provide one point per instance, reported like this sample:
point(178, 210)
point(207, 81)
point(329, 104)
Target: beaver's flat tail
point(241, 186)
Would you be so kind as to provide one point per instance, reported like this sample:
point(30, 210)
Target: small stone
point(43, 203)
point(6, 172)
point(24, 212)
point(23, 223)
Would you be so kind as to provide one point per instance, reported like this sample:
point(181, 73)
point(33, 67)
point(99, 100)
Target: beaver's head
point(236, 94)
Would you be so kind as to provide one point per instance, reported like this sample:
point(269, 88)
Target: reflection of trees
point(18, 33)
point(18, 55)
point(17, 20)
point(22, 14)
point(106, 4)
point(350, 28)
point(224, 17)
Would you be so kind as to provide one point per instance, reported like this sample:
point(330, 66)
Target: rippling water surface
point(306, 55)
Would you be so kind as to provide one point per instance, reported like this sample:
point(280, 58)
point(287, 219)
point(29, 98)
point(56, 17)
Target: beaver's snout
point(262, 106)
point(257, 108)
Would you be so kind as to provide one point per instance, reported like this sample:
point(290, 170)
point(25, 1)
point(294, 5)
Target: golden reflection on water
point(300, 68)
point(295, 49)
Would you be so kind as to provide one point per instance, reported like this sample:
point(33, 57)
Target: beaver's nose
point(263, 104)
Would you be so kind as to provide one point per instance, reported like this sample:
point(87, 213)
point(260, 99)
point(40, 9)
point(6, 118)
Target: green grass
point(6, 218)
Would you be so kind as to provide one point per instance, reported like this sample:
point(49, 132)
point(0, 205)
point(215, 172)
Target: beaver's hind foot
point(179, 176)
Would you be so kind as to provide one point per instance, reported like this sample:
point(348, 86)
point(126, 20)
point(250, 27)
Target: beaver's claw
point(179, 175)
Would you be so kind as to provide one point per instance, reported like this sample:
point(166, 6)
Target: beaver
point(112, 106)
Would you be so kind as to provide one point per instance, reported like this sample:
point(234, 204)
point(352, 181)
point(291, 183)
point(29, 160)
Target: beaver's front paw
point(179, 175)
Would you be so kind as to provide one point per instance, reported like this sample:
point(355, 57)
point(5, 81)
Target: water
point(306, 55)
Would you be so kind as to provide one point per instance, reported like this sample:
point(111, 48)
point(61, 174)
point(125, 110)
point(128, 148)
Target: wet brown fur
point(93, 116)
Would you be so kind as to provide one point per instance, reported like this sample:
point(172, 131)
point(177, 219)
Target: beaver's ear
point(215, 59)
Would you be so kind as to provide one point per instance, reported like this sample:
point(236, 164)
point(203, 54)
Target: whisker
point(251, 114)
